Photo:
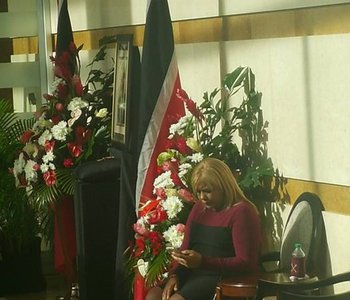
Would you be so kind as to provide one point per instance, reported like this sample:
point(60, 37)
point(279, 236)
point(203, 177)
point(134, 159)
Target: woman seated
point(222, 236)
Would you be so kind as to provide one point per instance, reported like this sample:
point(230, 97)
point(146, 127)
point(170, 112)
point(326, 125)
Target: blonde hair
point(218, 175)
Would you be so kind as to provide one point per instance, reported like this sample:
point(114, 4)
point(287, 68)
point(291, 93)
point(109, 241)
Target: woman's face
point(211, 197)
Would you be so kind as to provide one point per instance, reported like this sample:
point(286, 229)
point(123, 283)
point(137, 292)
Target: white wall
point(304, 82)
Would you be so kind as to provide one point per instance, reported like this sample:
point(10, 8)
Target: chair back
point(304, 225)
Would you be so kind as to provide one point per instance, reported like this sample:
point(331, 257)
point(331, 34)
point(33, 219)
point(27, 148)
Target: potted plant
point(20, 264)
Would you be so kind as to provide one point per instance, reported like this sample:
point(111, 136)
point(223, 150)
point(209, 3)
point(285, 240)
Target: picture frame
point(120, 129)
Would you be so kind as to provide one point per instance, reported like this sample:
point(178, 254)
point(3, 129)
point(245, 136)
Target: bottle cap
point(297, 245)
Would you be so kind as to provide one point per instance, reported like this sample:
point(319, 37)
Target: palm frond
point(17, 128)
point(157, 268)
point(43, 195)
point(7, 117)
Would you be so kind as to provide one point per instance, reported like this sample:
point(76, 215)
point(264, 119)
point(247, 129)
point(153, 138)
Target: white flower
point(75, 114)
point(163, 181)
point(30, 173)
point(172, 205)
point(184, 168)
point(77, 103)
point(173, 237)
point(196, 157)
point(49, 156)
point(102, 113)
point(18, 165)
point(179, 126)
point(44, 168)
point(60, 131)
point(45, 136)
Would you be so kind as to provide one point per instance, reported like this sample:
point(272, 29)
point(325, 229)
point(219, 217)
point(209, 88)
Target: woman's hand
point(188, 258)
point(170, 287)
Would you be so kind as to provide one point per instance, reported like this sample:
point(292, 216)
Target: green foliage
point(239, 133)
point(18, 219)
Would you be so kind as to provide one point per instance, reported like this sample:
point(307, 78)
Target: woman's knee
point(154, 293)
point(176, 297)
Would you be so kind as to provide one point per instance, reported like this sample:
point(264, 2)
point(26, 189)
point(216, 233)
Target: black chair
point(304, 225)
point(309, 289)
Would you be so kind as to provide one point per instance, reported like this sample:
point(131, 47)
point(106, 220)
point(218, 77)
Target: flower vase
point(140, 290)
point(65, 241)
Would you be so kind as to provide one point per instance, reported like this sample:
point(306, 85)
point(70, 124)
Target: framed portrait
point(121, 91)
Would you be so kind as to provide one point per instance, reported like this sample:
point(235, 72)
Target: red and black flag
point(159, 105)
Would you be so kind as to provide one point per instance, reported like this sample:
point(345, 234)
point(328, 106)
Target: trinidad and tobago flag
point(159, 106)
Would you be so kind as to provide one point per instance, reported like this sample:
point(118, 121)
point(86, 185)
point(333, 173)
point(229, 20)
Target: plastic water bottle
point(297, 265)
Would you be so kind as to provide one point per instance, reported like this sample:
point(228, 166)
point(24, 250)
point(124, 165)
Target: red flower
point(180, 144)
point(190, 104)
point(82, 135)
point(68, 163)
point(49, 145)
point(180, 227)
point(55, 119)
point(157, 216)
point(160, 193)
point(75, 149)
point(50, 177)
point(156, 241)
point(26, 136)
point(150, 205)
point(138, 228)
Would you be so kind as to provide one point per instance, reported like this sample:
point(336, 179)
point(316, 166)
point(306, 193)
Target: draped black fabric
point(128, 172)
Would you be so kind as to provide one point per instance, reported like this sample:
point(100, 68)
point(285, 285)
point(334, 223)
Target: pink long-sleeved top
point(241, 223)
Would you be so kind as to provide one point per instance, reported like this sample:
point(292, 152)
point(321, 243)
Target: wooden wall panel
point(278, 24)
point(335, 198)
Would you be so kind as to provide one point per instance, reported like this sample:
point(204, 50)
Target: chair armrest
point(270, 256)
point(269, 261)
